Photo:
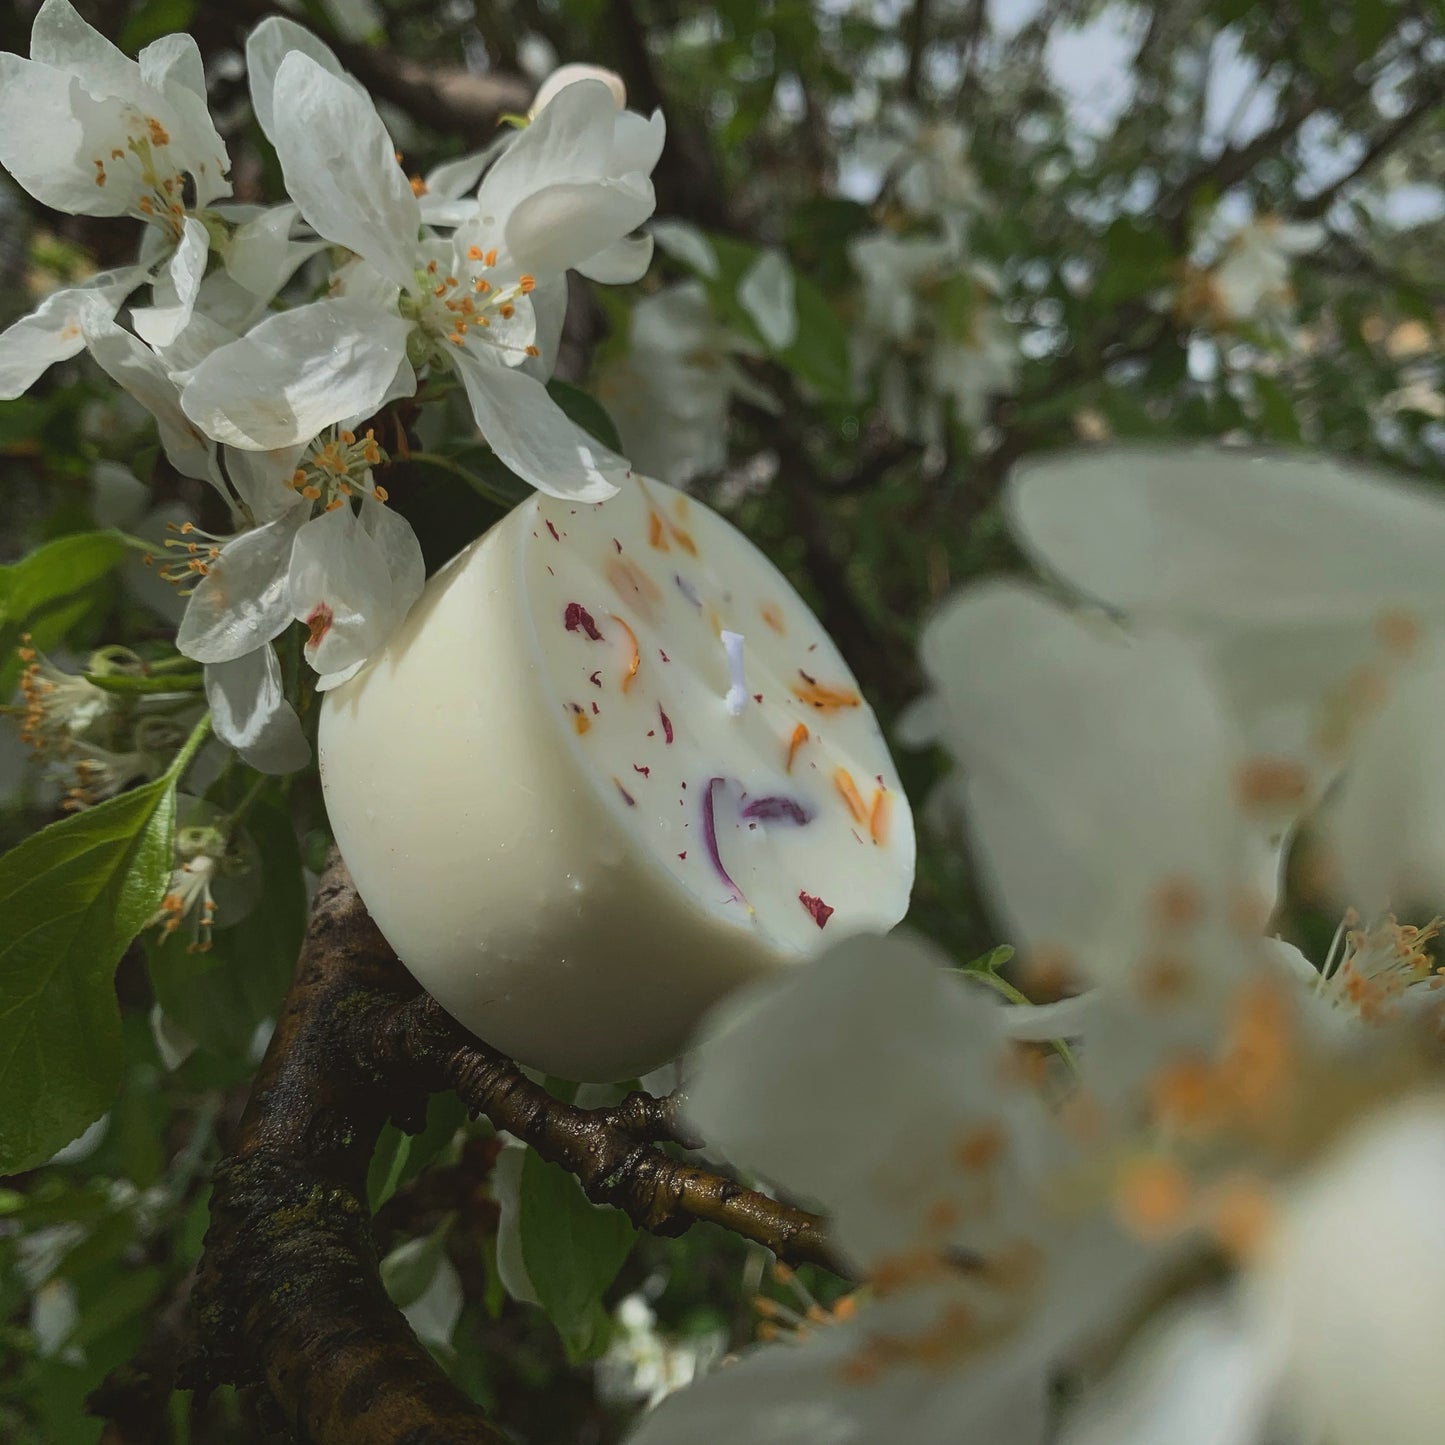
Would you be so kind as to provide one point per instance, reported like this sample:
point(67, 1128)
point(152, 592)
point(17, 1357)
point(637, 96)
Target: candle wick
point(737, 698)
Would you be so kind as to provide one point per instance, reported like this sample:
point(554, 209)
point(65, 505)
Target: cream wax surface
point(576, 818)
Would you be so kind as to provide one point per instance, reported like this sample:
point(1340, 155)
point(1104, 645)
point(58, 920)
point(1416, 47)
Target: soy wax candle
point(609, 769)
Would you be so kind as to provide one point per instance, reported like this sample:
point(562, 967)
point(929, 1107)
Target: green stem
point(1013, 995)
point(189, 748)
point(244, 806)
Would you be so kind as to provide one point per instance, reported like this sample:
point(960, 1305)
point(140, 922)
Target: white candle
point(556, 818)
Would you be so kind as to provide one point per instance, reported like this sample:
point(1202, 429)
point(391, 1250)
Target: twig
point(288, 1290)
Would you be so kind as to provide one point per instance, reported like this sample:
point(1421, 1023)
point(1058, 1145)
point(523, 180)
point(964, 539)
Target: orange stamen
point(826, 699)
point(878, 815)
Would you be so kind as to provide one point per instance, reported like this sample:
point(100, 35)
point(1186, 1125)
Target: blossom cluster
point(272, 337)
point(931, 335)
point(1212, 1214)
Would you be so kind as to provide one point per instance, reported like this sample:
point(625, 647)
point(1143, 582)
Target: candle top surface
point(715, 716)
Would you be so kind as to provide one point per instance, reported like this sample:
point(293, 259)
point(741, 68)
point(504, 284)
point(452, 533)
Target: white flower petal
point(340, 168)
point(621, 263)
point(262, 256)
point(1386, 824)
point(688, 244)
point(266, 47)
point(1230, 535)
point(818, 1082)
point(766, 293)
point(1356, 1274)
point(567, 223)
point(1198, 1379)
point(261, 479)
point(159, 325)
point(250, 713)
point(1098, 770)
point(400, 550)
point(243, 601)
point(637, 142)
point(566, 75)
point(55, 330)
point(297, 373)
point(452, 180)
point(341, 589)
point(174, 59)
point(41, 138)
point(533, 436)
point(140, 372)
point(60, 37)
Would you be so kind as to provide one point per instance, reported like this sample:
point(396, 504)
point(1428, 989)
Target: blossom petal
point(1198, 1379)
point(531, 433)
point(137, 369)
point(858, 1037)
point(55, 330)
point(266, 47)
point(400, 550)
point(250, 713)
point(60, 37)
point(1099, 771)
point(174, 59)
point(243, 601)
point(262, 256)
point(1386, 824)
point(159, 325)
point(566, 224)
point(41, 139)
point(766, 293)
point(621, 263)
point(340, 167)
point(298, 372)
point(1358, 1271)
point(570, 140)
point(341, 589)
point(1230, 535)
point(688, 244)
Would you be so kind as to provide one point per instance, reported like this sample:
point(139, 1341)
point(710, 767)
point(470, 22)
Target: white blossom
point(85, 129)
point(1249, 279)
point(1331, 1334)
point(671, 391)
point(872, 1083)
point(929, 332)
point(565, 193)
point(1315, 590)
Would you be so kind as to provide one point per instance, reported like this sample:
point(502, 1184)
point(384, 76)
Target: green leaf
point(586, 411)
point(572, 1250)
point(50, 592)
point(56, 570)
point(71, 898)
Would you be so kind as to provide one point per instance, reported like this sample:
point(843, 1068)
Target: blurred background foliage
point(1088, 170)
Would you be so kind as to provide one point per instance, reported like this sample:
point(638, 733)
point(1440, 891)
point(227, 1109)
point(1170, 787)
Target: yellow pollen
point(380, 493)
point(157, 131)
point(116, 154)
point(474, 253)
point(1264, 783)
point(481, 285)
point(507, 311)
point(531, 351)
point(526, 284)
point(311, 493)
point(1178, 903)
point(348, 439)
point(418, 186)
point(1398, 631)
point(799, 737)
point(439, 290)
point(490, 259)
point(146, 204)
point(1152, 1197)
point(431, 268)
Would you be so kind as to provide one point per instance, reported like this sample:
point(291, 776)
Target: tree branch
point(288, 1290)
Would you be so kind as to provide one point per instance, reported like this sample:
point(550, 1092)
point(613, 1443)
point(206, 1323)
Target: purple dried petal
point(709, 835)
point(576, 618)
point(775, 809)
